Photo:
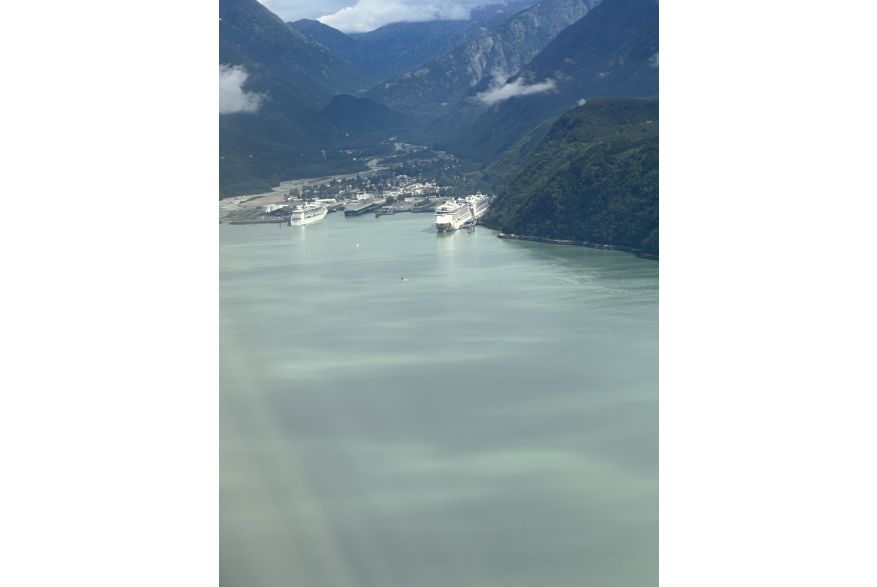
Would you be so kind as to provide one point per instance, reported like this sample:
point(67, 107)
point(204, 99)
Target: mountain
point(401, 46)
point(426, 93)
point(612, 52)
point(594, 177)
point(296, 125)
point(263, 37)
point(352, 115)
point(345, 46)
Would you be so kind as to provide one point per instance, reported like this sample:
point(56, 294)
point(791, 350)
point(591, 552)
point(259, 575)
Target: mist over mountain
point(427, 92)
point(611, 52)
point(262, 37)
point(279, 116)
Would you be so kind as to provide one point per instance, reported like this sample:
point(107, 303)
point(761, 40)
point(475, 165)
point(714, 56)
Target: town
point(416, 185)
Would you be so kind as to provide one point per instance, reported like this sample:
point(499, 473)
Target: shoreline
point(554, 241)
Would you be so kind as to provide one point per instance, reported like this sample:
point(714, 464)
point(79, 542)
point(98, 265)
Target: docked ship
point(306, 214)
point(478, 205)
point(362, 204)
point(452, 215)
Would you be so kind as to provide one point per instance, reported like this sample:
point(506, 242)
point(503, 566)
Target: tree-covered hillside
point(612, 52)
point(294, 127)
point(259, 34)
point(594, 177)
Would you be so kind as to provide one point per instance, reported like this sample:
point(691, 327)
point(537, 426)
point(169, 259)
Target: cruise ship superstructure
point(455, 213)
point(478, 205)
point(363, 203)
point(306, 214)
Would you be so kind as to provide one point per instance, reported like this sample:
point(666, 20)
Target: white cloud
point(367, 15)
point(231, 97)
point(352, 16)
point(292, 10)
point(582, 102)
point(653, 60)
point(498, 93)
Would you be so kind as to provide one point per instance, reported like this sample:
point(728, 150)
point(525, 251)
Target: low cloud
point(581, 102)
point(231, 97)
point(653, 60)
point(518, 87)
point(367, 15)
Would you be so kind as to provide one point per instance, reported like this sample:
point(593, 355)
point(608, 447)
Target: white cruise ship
point(362, 203)
point(306, 214)
point(452, 215)
point(478, 205)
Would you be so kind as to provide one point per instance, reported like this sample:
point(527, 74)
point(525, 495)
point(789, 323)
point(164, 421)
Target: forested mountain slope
point(262, 36)
point(611, 53)
point(594, 177)
point(293, 127)
point(429, 91)
point(340, 43)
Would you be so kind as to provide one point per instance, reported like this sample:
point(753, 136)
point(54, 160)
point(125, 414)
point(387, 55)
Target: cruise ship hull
point(300, 219)
point(361, 211)
point(451, 216)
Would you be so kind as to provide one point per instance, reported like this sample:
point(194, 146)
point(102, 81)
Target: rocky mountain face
point(612, 52)
point(263, 37)
point(402, 46)
point(428, 92)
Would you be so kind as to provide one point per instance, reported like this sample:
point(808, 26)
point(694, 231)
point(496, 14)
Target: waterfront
point(490, 420)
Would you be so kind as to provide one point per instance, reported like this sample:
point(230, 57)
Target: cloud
point(367, 15)
point(581, 102)
point(231, 97)
point(292, 10)
point(653, 60)
point(498, 93)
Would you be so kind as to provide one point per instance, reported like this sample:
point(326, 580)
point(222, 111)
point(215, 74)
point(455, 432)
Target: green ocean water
point(491, 420)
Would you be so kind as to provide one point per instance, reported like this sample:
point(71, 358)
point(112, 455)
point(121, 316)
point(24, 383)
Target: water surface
point(491, 420)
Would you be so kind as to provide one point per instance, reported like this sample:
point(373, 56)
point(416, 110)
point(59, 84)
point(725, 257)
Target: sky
point(361, 16)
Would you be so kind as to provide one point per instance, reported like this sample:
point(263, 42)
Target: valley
point(316, 107)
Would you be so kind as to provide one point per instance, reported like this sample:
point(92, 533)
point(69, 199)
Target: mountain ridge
point(426, 92)
point(263, 37)
point(593, 177)
point(611, 53)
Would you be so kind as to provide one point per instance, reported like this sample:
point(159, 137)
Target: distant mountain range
point(433, 89)
point(401, 46)
point(611, 52)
